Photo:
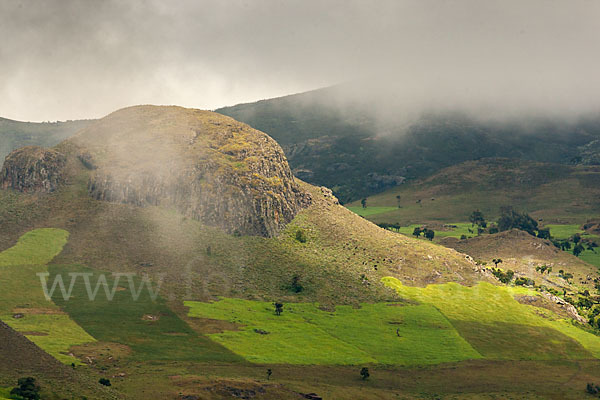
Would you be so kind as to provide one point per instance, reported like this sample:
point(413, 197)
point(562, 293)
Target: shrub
point(364, 373)
point(27, 389)
point(504, 277)
point(296, 286)
point(104, 381)
point(524, 281)
point(429, 234)
point(301, 236)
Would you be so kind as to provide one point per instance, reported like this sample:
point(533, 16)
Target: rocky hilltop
point(207, 166)
point(33, 169)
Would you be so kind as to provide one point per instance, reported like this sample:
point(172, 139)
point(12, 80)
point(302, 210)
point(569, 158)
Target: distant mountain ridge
point(346, 145)
point(15, 134)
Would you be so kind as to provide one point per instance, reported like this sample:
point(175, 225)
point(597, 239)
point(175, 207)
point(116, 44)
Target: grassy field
point(568, 230)
point(382, 333)
point(368, 211)
point(37, 247)
point(557, 193)
point(41, 320)
point(462, 228)
point(148, 327)
point(499, 327)
point(5, 394)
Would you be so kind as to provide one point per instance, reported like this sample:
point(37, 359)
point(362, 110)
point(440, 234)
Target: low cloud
point(84, 59)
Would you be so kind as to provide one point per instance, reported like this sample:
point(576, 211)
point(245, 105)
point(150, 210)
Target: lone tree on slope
point(278, 308)
point(364, 373)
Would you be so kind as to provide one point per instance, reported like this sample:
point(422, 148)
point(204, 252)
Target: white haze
point(62, 59)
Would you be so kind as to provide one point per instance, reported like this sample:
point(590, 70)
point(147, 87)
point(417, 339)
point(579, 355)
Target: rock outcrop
point(207, 166)
point(33, 169)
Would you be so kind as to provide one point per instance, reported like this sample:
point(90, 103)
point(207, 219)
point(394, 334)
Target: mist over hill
point(348, 139)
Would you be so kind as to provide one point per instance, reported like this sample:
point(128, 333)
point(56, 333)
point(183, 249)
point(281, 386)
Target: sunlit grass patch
point(54, 333)
point(498, 326)
point(23, 305)
point(375, 333)
point(365, 212)
point(39, 246)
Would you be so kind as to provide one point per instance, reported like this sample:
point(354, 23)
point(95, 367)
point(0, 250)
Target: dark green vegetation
point(15, 134)
point(334, 137)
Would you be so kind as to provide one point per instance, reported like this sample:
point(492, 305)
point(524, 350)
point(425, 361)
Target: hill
point(523, 253)
point(184, 302)
point(358, 143)
point(554, 193)
point(15, 134)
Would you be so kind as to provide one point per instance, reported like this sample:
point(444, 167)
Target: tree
point(592, 389)
point(544, 233)
point(509, 219)
point(27, 389)
point(363, 203)
point(578, 249)
point(429, 234)
point(398, 200)
point(497, 261)
point(364, 373)
point(278, 308)
point(576, 238)
point(477, 218)
point(417, 232)
point(269, 373)
point(104, 381)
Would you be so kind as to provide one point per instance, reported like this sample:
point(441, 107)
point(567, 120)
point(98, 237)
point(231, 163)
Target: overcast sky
point(83, 59)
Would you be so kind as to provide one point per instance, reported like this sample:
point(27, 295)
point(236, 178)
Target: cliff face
point(33, 169)
point(209, 167)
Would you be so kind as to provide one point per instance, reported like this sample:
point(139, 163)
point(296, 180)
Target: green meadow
point(365, 212)
point(40, 320)
point(5, 394)
point(498, 326)
point(383, 333)
point(148, 327)
point(456, 230)
point(37, 247)
point(567, 231)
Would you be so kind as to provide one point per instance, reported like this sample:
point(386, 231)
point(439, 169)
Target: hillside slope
point(554, 192)
point(350, 139)
point(522, 253)
point(206, 327)
point(340, 249)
